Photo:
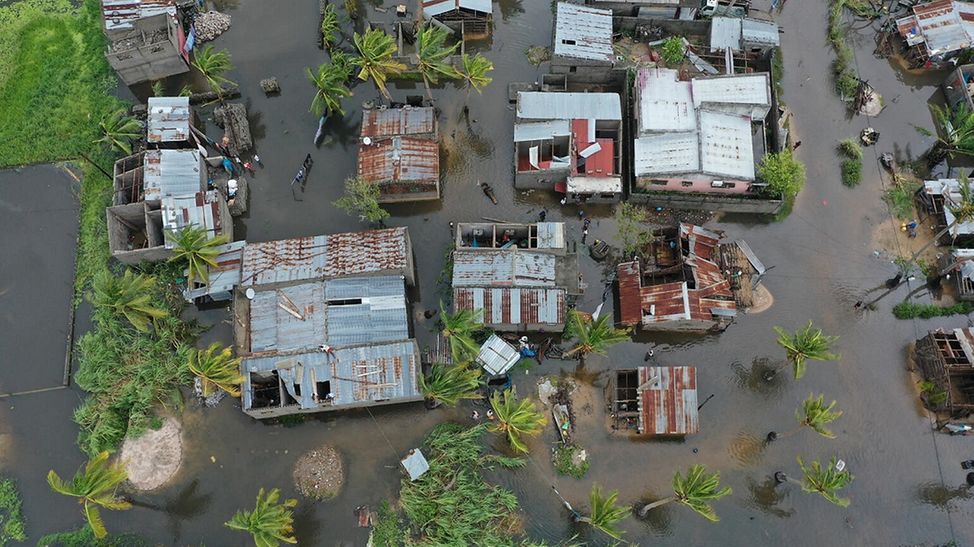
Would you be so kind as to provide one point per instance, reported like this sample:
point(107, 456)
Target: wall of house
point(149, 61)
point(527, 327)
point(680, 325)
point(539, 180)
point(123, 220)
point(693, 183)
point(581, 70)
point(727, 203)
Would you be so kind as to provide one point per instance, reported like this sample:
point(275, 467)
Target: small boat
point(489, 192)
point(886, 159)
point(321, 130)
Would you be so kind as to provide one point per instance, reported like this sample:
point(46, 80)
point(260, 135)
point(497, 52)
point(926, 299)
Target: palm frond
point(196, 250)
point(698, 489)
point(806, 343)
point(516, 418)
point(213, 65)
point(271, 521)
point(460, 330)
point(131, 296)
point(432, 52)
point(474, 69)
point(118, 129)
point(450, 384)
point(217, 369)
point(606, 513)
point(592, 336)
point(94, 485)
point(330, 88)
point(826, 481)
point(375, 62)
point(815, 414)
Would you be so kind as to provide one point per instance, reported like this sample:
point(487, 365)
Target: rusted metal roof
point(122, 14)
point(503, 268)
point(204, 210)
point(400, 159)
point(397, 122)
point(172, 173)
point(668, 401)
point(629, 300)
point(512, 306)
point(168, 119)
point(327, 256)
point(942, 27)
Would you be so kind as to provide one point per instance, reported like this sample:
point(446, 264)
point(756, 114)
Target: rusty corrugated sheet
point(397, 122)
point(503, 268)
point(400, 159)
point(167, 119)
point(629, 297)
point(668, 401)
point(513, 306)
point(202, 210)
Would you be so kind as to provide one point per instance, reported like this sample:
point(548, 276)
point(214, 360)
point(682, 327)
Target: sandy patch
point(319, 474)
point(153, 458)
point(762, 299)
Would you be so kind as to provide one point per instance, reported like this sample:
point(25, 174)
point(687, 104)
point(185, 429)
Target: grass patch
point(83, 537)
point(843, 67)
point(778, 74)
point(899, 197)
point(563, 456)
point(910, 310)
point(388, 527)
point(852, 164)
point(12, 525)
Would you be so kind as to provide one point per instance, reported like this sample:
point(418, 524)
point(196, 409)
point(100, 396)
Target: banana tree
point(804, 344)
point(95, 486)
point(433, 55)
point(375, 62)
point(697, 491)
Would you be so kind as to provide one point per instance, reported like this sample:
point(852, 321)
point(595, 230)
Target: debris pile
point(270, 86)
point(319, 474)
point(232, 117)
point(211, 24)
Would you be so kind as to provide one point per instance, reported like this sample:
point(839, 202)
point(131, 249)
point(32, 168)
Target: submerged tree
point(515, 418)
point(216, 368)
point(433, 55)
point(697, 491)
point(375, 62)
point(473, 71)
point(270, 522)
point(131, 295)
point(804, 344)
point(330, 89)
point(815, 415)
point(118, 130)
point(460, 330)
point(362, 198)
point(632, 235)
point(95, 486)
point(449, 384)
point(825, 481)
point(213, 65)
point(196, 251)
point(592, 336)
point(606, 513)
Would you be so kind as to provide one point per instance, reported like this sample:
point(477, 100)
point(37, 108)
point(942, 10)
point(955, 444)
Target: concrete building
point(650, 9)
point(146, 40)
point(747, 37)
point(958, 88)
point(936, 32)
point(582, 43)
point(471, 19)
point(399, 153)
point(570, 143)
point(654, 401)
point(524, 284)
point(946, 359)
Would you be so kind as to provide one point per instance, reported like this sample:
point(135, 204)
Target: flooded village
point(462, 272)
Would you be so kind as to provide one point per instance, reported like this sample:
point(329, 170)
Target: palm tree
point(342, 63)
point(605, 512)
point(118, 130)
point(375, 49)
point(270, 522)
point(697, 491)
point(954, 132)
point(813, 414)
point(330, 89)
point(217, 369)
point(432, 52)
point(459, 329)
point(824, 481)
point(592, 336)
point(330, 28)
point(473, 71)
point(192, 248)
point(94, 486)
point(515, 418)
point(213, 65)
point(804, 344)
point(130, 295)
point(449, 384)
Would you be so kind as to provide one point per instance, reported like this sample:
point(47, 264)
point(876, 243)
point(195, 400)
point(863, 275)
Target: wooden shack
point(946, 359)
point(654, 401)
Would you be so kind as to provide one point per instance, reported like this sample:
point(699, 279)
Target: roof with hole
point(583, 32)
point(668, 401)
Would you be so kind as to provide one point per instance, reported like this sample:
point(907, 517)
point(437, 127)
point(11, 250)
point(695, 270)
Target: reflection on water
point(940, 496)
point(306, 525)
point(747, 449)
point(658, 520)
point(765, 376)
point(767, 495)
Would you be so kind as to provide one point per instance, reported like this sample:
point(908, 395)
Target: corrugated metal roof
point(629, 284)
point(391, 122)
point(512, 306)
point(497, 356)
point(666, 153)
point(582, 32)
point(665, 102)
point(366, 310)
point(537, 131)
point(594, 185)
point(168, 119)
point(432, 8)
point(950, 190)
point(356, 375)
point(544, 105)
point(326, 256)
point(503, 268)
point(172, 173)
point(400, 159)
point(942, 26)
point(668, 401)
point(225, 275)
point(551, 235)
point(760, 32)
point(744, 89)
point(202, 210)
point(725, 33)
point(273, 325)
point(122, 14)
point(726, 147)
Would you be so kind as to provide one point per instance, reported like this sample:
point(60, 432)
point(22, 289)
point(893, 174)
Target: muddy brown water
point(907, 478)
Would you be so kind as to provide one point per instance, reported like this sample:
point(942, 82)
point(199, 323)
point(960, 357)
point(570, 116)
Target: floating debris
point(270, 86)
point(211, 24)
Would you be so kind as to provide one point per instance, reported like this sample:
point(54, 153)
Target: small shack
point(582, 43)
point(169, 123)
point(936, 32)
point(959, 87)
point(222, 278)
point(399, 153)
point(959, 265)
point(936, 198)
point(654, 401)
point(146, 40)
point(541, 236)
point(471, 19)
point(750, 38)
point(496, 356)
point(685, 10)
point(946, 359)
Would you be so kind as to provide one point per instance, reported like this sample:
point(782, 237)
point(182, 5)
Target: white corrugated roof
point(725, 33)
point(726, 147)
point(667, 153)
point(536, 105)
point(585, 185)
point(744, 89)
point(665, 104)
point(760, 32)
point(432, 8)
point(582, 32)
point(536, 131)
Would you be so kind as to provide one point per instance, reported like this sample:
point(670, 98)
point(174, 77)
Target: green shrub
point(783, 174)
point(387, 530)
point(851, 172)
point(899, 197)
point(83, 537)
point(672, 51)
point(851, 149)
point(563, 456)
point(910, 310)
point(12, 525)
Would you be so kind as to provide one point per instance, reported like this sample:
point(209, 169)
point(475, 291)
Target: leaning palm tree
point(192, 248)
point(473, 71)
point(804, 344)
point(270, 522)
point(449, 384)
point(697, 491)
point(515, 418)
point(825, 481)
point(94, 486)
point(433, 54)
point(961, 208)
point(330, 89)
point(375, 49)
point(216, 368)
point(213, 65)
point(605, 512)
point(130, 295)
point(460, 329)
point(815, 415)
point(592, 336)
point(954, 132)
point(118, 130)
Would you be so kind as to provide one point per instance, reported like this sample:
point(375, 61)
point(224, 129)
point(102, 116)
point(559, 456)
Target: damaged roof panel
point(168, 119)
point(122, 14)
point(503, 269)
point(172, 173)
point(668, 401)
point(288, 319)
point(366, 310)
point(203, 210)
point(400, 159)
point(432, 8)
point(549, 105)
point(582, 32)
point(392, 122)
point(513, 306)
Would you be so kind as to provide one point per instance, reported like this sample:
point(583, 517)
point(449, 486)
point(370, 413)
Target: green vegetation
point(330, 88)
point(515, 419)
point(84, 537)
point(825, 481)
point(804, 344)
point(217, 369)
point(672, 51)
point(783, 174)
point(213, 65)
point(95, 486)
point(388, 529)
point(449, 384)
point(270, 523)
point(12, 524)
point(473, 71)
point(451, 504)
point(852, 164)
point(605, 512)
point(592, 336)
point(118, 130)
point(362, 198)
point(778, 74)
point(697, 491)
point(375, 62)
point(843, 67)
point(433, 55)
point(195, 251)
point(899, 197)
point(131, 296)
point(934, 395)
point(631, 234)
point(538, 54)
point(564, 457)
point(954, 132)
point(910, 310)
point(816, 415)
point(331, 29)
point(461, 330)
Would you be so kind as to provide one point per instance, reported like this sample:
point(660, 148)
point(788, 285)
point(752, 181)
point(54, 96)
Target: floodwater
point(907, 477)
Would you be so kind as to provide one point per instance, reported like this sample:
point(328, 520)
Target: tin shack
point(400, 154)
point(654, 401)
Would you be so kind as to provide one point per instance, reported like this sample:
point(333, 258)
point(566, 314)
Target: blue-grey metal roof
point(725, 33)
point(167, 119)
point(172, 173)
point(273, 326)
point(539, 131)
point(366, 310)
point(356, 375)
point(503, 268)
point(224, 276)
point(497, 356)
point(548, 105)
point(432, 8)
point(760, 32)
point(551, 235)
point(582, 32)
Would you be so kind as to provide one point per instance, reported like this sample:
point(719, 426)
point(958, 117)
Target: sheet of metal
point(539, 131)
point(665, 104)
point(551, 235)
point(400, 159)
point(725, 33)
point(172, 173)
point(224, 276)
point(503, 268)
point(274, 328)
point(393, 122)
point(513, 307)
point(544, 105)
point(668, 401)
point(168, 119)
point(366, 310)
point(726, 146)
point(666, 153)
point(203, 210)
point(582, 32)
point(751, 257)
point(432, 8)
point(628, 275)
point(122, 14)
point(744, 89)
point(497, 356)
point(760, 32)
